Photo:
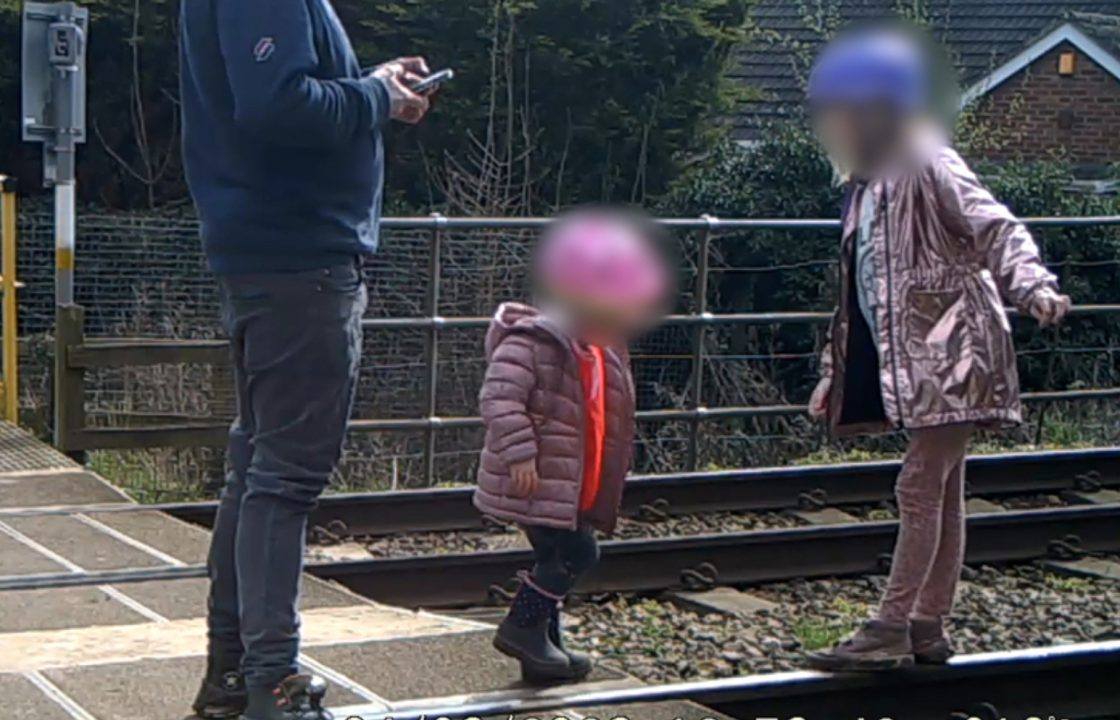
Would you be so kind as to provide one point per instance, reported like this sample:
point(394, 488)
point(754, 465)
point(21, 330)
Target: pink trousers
point(930, 548)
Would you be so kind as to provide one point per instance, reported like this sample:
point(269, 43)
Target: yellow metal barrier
point(9, 347)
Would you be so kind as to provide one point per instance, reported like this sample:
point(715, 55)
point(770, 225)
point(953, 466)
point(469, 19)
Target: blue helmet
point(872, 67)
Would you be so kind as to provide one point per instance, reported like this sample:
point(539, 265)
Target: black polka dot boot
point(524, 636)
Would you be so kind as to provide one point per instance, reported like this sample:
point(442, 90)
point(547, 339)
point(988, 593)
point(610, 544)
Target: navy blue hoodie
point(281, 135)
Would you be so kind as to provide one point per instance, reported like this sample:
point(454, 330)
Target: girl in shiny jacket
point(558, 407)
point(920, 340)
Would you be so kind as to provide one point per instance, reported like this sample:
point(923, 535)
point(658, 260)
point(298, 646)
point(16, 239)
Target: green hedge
point(786, 175)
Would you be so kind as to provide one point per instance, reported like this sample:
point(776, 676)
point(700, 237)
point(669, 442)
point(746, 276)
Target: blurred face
point(602, 274)
point(600, 324)
point(860, 138)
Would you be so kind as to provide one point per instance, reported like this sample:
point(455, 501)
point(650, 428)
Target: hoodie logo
point(264, 49)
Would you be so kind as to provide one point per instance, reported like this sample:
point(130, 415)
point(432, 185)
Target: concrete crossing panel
point(434, 666)
point(24, 610)
point(66, 487)
point(81, 544)
point(24, 701)
point(16, 558)
point(184, 599)
point(148, 690)
point(186, 543)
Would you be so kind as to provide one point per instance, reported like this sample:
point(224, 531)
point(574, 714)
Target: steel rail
point(766, 488)
point(772, 488)
point(456, 580)
point(1071, 681)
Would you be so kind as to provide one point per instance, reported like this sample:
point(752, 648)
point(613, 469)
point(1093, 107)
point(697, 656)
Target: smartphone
point(433, 81)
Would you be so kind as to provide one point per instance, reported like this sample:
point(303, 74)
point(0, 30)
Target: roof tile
point(979, 35)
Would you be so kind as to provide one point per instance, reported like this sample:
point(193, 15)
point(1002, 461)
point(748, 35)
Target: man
point(283, 154)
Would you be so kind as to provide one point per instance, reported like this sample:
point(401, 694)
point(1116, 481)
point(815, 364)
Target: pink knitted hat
point(603, 260)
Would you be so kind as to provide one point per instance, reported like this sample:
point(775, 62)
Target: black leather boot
point(524, 636)
point(297, 697)
point(222, 694)
point(580, 663)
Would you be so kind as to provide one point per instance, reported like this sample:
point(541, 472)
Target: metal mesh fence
point(144, 275)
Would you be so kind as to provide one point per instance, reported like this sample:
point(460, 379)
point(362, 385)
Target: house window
point(1067, 62)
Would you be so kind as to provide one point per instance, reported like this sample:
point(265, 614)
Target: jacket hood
point(512, 317)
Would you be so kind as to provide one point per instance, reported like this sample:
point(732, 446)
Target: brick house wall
point(1039, 112)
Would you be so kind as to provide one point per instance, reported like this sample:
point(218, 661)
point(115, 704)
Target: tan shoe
point(878, 645)
point(929, 641)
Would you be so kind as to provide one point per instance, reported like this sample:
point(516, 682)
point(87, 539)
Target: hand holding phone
point(398, 76)
point(432, 82)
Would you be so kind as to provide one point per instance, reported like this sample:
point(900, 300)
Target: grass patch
point(1067, 583)
point(818, 635)
point(155, 476)
point(821, 633)
point(831, 456)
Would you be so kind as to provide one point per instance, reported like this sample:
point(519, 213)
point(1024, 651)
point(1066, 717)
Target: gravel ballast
point(501, 538)
point(997, 609)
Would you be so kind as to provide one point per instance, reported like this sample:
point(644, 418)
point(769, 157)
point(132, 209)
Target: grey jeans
point(296, 340)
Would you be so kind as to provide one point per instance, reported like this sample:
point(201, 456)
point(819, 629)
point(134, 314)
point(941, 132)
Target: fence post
point(10, 314)
point(431, 354)
point(698, 341)
point(69, 382)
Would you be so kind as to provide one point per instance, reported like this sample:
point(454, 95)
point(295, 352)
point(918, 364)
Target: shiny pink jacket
point(532, 408)
point(946, 253)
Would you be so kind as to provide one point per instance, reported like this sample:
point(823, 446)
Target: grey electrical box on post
point(54, 82)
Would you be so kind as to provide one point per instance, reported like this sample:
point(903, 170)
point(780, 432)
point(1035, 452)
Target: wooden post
point(69, 382)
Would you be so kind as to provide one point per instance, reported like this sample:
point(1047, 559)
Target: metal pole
point(432, 349)
point(68, 399)
point(63, 148)
point(64, 243)
point(64, 233)
point(10, 352)
point(699, 339)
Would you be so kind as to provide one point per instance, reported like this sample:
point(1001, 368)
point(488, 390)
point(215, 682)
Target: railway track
point(456, 580)
point(1072, 681)
point(1076, 681)
point(460, 580)
point(775, 488)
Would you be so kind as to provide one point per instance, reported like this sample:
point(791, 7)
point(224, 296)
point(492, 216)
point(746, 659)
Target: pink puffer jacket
point(532, 407)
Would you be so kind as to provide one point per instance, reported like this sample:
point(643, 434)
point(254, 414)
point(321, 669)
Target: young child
point(920, 340)
point(558, 406)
